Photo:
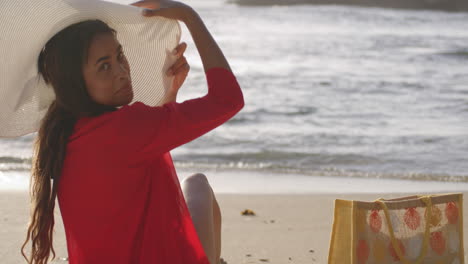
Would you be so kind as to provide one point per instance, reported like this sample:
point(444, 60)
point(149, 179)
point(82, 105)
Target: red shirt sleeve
point(147, 131)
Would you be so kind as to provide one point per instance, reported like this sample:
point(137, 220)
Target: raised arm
point(155, 130)
point(209, 51)
point(211, 55)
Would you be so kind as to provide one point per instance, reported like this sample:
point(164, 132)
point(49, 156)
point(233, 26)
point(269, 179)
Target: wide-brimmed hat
point(25, 28)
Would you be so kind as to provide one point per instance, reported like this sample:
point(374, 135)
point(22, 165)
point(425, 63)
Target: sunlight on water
point(329, 91)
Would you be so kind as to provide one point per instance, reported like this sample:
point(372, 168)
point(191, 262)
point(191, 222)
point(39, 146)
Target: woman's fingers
point(146, 4)
point(165, 8)
point(181, 48)
point(179, 65)
point(176, 66)
point(139, 3)
point(179, 52)
point(184, 68)
point(151, 12)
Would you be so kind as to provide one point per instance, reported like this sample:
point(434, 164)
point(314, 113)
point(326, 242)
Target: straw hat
point(26, 26)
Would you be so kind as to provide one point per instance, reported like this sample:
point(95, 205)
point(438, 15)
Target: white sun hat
point(25, 28)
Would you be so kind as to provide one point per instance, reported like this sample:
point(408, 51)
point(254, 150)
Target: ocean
point(330, 91)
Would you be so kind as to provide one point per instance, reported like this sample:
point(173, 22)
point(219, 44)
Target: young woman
point(113, 176)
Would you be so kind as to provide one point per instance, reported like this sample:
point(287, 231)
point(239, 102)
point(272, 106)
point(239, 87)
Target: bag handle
point(401, 198)
point(427, 200)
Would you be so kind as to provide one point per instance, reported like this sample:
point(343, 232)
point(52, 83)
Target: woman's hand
point(165, 8)
point(173, 10)
point(180, 71)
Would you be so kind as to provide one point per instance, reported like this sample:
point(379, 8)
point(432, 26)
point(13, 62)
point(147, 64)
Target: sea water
point(348, 92)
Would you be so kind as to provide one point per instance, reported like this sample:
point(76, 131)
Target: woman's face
point(107, 73)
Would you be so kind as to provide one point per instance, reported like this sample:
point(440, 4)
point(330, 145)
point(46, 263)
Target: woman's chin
point(128, 99)
point(124, 102)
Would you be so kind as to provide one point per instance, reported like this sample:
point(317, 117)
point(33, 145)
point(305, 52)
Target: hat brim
point(26, 28)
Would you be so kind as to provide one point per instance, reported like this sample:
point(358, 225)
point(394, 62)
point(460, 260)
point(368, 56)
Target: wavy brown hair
point(60, 64)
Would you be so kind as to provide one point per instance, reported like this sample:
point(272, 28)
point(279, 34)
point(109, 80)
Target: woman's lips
point(126, 89)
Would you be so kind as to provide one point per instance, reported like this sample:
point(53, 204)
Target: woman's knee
point(196, 184)
point(197, 178)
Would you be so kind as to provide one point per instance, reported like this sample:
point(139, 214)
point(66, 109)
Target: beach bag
point(409, 230)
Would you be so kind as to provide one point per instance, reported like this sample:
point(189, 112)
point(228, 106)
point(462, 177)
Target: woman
point(112, 172)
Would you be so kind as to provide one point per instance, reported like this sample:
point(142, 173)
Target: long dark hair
point(60, 64)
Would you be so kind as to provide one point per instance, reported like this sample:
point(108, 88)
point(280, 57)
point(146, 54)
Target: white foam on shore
point(252, 182)
point(14, 180)
point(267, 183)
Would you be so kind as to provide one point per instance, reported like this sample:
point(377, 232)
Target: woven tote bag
point(410, 230)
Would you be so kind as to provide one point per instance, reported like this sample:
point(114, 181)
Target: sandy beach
point(287, 228)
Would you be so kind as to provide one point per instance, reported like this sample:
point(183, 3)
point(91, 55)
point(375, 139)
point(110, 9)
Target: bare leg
point(217, 227)
point(205, 214)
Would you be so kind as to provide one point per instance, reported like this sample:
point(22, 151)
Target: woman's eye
point(103, 67)
point(120, 57)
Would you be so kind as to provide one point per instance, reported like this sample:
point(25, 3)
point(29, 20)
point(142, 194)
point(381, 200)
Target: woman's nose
point(122, 71)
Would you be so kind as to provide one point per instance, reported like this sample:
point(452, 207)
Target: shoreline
point(225, 181)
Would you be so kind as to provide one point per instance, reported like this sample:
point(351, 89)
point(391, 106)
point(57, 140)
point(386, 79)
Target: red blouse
point(119, 195)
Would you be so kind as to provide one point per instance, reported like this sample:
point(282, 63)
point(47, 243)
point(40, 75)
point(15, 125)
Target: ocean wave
point(450, 5)
point(456, 54)
point(15, 167)
point(10, 163)
point(269, 165)
point(287, 111)
point(325, 172)
point(263, 114)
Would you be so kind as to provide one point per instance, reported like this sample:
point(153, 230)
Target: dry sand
point(287, 228)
